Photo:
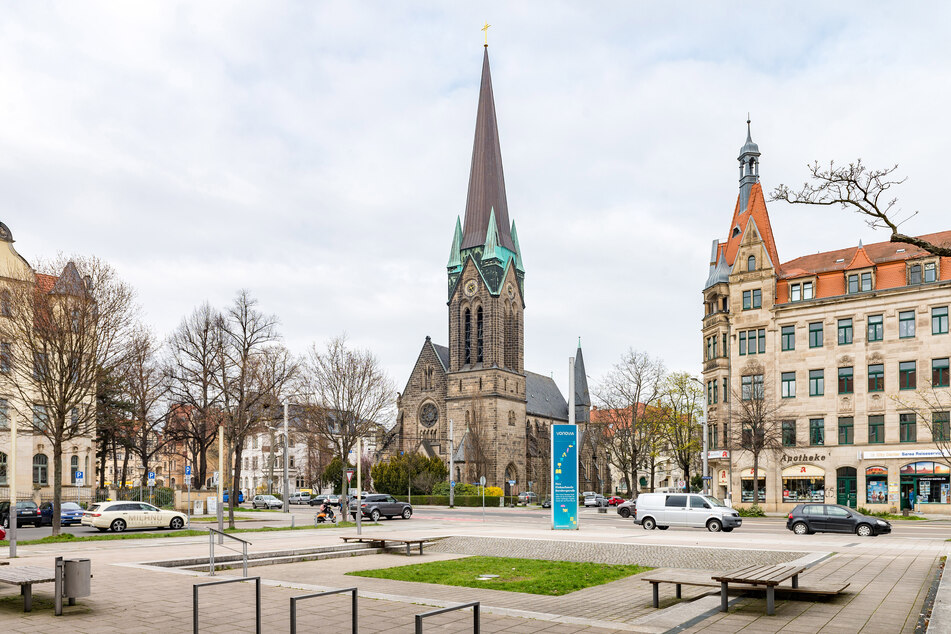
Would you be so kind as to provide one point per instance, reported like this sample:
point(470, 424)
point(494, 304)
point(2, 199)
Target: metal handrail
point(475, 615)
point(257, 600)
point(353, 609)
point(211, 550)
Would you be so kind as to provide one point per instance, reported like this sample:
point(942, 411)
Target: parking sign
point(151, 478)
point(188, 469)
point(79, 478)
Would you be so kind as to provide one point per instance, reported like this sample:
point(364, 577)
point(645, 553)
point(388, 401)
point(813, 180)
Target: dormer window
point(931, 272)
point(751, 263)
point(807, 290)
point(795, 292)
point(914, 274)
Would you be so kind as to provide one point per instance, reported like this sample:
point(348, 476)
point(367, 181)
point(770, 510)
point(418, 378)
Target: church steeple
point(749, 167)
point(486, 180)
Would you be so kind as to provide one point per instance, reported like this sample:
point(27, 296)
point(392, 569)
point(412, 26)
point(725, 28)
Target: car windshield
point(70, 506)
point(714, 501)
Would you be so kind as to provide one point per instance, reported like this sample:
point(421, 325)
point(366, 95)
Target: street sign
point(188, 469)
point(512, 483)
point(482, 480)
point(681, 484)
point(707, 478)
point(214, 478)
point(349, 475)
point(151, 478)
point(79, 478)
point(452, 483)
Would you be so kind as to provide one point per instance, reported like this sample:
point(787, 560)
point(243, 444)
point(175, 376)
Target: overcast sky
point(317, 154)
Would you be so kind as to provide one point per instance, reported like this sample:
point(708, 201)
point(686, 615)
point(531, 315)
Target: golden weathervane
point(485, 29)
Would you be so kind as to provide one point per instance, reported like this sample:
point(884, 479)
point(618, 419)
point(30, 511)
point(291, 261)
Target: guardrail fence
point(475, 615)
point(353, 608)
point(257, 600)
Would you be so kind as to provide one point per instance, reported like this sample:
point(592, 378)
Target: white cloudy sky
point(318, 153)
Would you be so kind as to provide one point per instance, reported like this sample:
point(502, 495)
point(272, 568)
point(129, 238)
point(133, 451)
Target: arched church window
point(751, 263)
point(512, 419)
point(479, 331)
point(467, 336)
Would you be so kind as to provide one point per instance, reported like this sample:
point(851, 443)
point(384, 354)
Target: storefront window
point(746, 490)
point(876, 485)
point(931, 480)
point(803, 483)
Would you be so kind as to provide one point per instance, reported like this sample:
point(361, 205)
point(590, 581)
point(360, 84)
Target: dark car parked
point(69, 513)
point(317, 500)
point(806, 519)
point(27, 513)
point(377, 504)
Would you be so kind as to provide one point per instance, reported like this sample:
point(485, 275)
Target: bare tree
point(624, 398)
point(756, 424)
point(349, 394)
point(252, 377)
point(61, 338)
point(193, 367)
point(145, 387)
point(863, 190)
point(478, 441)
point(681, 406)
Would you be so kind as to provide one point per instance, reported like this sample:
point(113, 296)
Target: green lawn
point(70, 538)
point(535, 576)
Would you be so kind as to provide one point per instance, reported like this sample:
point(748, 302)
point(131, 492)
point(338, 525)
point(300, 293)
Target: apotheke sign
point(803, 457)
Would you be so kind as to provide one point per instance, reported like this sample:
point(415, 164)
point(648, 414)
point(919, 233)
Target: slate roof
point(544, 397)
point(443, 353)
point(582, 398)
point(486, 181)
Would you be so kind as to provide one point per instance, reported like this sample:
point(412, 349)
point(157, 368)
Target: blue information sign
point(564, 476)
point(188, 469)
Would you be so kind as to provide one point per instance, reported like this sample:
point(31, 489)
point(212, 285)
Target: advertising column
point(564, 477)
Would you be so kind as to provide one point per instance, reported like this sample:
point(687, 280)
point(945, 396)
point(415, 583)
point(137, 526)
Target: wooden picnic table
point(25, 577)
point(769, 576)
point(379, 541)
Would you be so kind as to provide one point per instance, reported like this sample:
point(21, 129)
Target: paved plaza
point(889, 578)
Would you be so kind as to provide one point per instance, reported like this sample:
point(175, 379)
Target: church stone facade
point(501, 414)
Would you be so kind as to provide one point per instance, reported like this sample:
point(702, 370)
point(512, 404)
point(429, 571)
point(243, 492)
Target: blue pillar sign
point(564, 477)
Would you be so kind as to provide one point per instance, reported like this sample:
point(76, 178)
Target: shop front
point(876, 485)
point(803, 483)
point(746, 486)
point(924, 483)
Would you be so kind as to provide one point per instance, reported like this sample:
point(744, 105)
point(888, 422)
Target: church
point(500, 414)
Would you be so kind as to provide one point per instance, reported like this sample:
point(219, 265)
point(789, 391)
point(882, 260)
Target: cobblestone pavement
point(889, 579)
point(652, 555)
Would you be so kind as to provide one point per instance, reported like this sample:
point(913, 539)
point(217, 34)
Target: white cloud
point(318, 154)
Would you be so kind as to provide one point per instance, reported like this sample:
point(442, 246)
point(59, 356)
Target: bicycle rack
point(353, 609)
point(475, 615)
point(257, 600)
point(211, 550)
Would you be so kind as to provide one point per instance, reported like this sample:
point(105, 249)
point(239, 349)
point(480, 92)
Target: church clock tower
point(486, 396)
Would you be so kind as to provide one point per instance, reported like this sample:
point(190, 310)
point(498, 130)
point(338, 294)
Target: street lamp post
point(704, 440)
point(287, 503)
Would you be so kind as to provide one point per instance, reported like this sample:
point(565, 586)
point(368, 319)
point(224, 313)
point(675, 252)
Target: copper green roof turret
point(490, 250)
point(455, 253)
point(518, 250)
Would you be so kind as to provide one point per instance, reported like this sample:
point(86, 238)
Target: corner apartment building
point(844, 343)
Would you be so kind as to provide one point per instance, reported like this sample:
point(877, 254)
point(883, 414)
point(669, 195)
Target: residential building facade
point(849, 347)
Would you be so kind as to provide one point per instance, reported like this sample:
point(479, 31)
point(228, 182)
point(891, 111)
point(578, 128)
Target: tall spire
point(749, 167)
point(518, 250)
point(486, 181)
point(455, 253)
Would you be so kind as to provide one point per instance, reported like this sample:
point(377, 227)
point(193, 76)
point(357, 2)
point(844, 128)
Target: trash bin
point(76, 578)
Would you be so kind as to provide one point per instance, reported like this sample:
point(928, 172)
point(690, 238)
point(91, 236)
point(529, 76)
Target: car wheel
point(863, 530)
point(374, 515)
point(625, 513)
point(407, 513)
point(176, 524)
point(662, 528)
point(117, 526)
point(800, 528)
point(649, 524)
point(714, 526)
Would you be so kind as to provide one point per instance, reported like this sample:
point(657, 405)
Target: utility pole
point(359, 485)
point(706, 435)
point(287, 489)
point(221, 481)
point(452, 489)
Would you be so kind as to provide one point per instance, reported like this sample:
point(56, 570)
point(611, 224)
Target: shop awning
point(803, 471)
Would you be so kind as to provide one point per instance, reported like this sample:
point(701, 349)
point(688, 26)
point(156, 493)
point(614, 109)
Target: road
point(524, 517)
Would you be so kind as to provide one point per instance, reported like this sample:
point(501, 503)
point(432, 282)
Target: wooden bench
point(25, 577)
point(770, 578)
point(380, 542)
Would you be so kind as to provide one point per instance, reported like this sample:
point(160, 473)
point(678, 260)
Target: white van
point(662, 510)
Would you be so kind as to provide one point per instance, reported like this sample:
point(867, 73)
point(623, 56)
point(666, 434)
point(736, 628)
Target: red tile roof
point(755, 209)
point(45, 283)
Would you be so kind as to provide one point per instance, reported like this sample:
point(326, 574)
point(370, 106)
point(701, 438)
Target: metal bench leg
point(27, 591)
point(656, 594)
point(678, 590)
point(420, 549)
point(724, 597)
point(795, 581)
point(408, 553)
point(770, 600)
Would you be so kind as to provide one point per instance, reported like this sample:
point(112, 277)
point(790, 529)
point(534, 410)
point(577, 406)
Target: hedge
point(460, 500)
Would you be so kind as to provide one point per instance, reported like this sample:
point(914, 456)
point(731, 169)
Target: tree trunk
point(125, 466)
point(202, 464)
point(57, 484)
point(235, 481)
point(755, 479)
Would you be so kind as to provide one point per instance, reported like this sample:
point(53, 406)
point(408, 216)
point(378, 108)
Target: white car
point(266, 502)
point(118, 516)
